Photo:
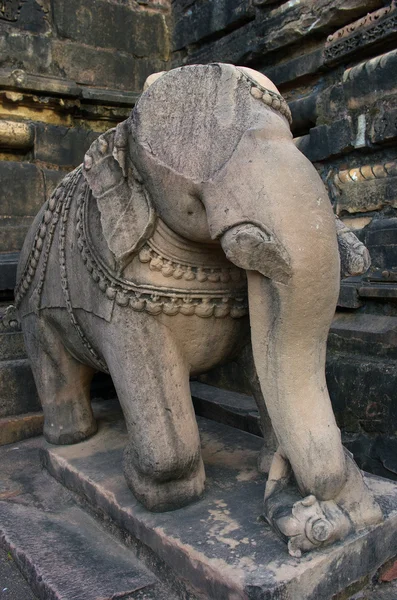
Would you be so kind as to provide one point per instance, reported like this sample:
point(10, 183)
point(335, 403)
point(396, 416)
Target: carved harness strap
point(268, 97)
point(155, 299)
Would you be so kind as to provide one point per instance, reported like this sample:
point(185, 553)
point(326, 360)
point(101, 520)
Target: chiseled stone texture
point(232, 554)
point(101, 42)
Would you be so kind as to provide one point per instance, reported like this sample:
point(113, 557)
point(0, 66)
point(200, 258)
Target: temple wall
point(70, 70)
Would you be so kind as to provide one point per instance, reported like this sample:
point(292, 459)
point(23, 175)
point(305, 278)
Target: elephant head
point(209, 150)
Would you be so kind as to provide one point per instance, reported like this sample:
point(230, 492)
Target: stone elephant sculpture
point(139, 264)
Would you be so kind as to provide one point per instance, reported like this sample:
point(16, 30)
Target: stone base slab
point(220, 545)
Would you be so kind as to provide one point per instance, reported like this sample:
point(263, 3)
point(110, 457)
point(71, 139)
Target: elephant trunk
point(284, 235)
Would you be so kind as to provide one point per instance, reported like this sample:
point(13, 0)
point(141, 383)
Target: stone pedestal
point(220, 546)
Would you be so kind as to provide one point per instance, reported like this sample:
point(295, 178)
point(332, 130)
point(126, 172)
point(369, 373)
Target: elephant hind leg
point(62, 382)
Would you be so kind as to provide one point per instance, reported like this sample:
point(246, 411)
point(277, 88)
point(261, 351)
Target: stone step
point(220, 544)
point(63, 551)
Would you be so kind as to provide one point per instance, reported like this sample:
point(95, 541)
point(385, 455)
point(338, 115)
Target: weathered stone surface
point(16, 135)
point(9, 261)
point(373, 29)
point(76, 557)
point(22, 191)
point(13, 231)
point(325, 141)
point(28, 16)
point(230, 408)
point(368, 403)
point(232, 554)
point(19, 427)
point(17, 389)
point(64, 146)
point(105, 68)
point(104, 24)
point(367, 196)
point(204, 19)
point(278, 28)
point(296, 68)
point(134, 227)
point(12, 345)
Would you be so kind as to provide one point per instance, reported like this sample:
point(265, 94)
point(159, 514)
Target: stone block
point(293, 21)
point(11, 345)
point(52, 178)
point(105, 24)
point(104, 68)
point(232, 554)
point(204, 19)
point(13, 231)
point(28, 16)
point(325, 141)
point(362, 389)
point(29, 52)
point(8, 268)
point(237, 47)
point(370, 80)
point(64, 146)
point(17, 388)
point(63, 552)
point(367, 196)
point(22, 189)
point(230, 408)
point(19, 427)
point(296, 68)
point(18, 135)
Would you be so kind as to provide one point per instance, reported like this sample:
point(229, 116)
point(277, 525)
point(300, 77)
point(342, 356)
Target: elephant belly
point(206, 343)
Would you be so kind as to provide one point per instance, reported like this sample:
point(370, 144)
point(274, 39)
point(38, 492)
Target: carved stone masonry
point(372, 28)
point(140, 265)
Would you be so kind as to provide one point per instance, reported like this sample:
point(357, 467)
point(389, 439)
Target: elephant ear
point(127, 215)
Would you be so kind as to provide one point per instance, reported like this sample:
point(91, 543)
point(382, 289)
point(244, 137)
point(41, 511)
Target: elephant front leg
point(63, 384)
point(162, 462)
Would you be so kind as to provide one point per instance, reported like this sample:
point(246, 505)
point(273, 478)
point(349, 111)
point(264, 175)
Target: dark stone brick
point(22, 189)
point(238, 47)
point(29, 52)
point(366, 196)
point(103, 68)
point(8, 267)
point(12, 234)
point(204, 19)
point(325, 141)
point(52, 178)
point(17, 388)
point(12, 345)
point(293, 21)
point(372, 79)
point(364, 334)
point(362, 390)
point(31, 17)
point(104, 24)
point(296, 68)
point(304, 114)
point(64, 146)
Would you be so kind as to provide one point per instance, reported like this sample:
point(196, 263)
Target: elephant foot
point(72, 430)
point(308, 523)
point(162, 492)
